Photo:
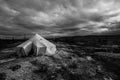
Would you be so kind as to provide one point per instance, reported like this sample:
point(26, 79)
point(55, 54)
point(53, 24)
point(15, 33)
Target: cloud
point(58, 17)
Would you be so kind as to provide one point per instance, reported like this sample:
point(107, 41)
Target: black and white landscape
point(59, 40)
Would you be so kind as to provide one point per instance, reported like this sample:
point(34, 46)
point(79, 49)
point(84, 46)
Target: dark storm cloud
point(58, 17)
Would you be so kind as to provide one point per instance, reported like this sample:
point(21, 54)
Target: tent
point(24, 48)
point(37, 45)
point(38, 48)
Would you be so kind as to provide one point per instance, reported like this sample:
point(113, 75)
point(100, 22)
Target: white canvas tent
point(24, 48)
point(38, 44)
point(38, 48)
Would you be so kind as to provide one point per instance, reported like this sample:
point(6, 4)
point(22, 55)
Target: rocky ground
point(69, 63)
point(62, 66)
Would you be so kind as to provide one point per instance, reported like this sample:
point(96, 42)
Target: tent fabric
point(24, 49)
point(50, 47)
point(38, 44)
point(38, 48)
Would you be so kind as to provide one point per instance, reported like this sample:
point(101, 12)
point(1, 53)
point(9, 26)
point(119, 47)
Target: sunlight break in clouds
point(58, 17)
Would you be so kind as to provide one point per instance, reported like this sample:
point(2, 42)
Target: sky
point(59, 17)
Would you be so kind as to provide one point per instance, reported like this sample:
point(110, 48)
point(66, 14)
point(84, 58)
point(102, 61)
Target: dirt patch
point(14, 68)
point(2, 76)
